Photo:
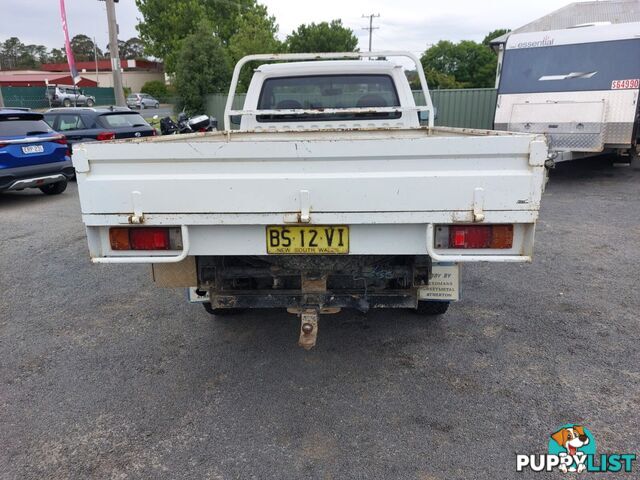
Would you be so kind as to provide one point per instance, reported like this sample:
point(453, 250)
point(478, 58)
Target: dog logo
point(573, 442)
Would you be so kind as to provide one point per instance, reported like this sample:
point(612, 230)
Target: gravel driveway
point(102, 375)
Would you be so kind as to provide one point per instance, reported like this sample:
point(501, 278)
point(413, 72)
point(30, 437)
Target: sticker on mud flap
point(444, 284)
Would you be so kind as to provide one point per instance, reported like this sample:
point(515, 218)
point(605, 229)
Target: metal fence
point(34, 97)
point(468, 108)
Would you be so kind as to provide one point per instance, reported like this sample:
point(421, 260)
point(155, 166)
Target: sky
point(403, 24)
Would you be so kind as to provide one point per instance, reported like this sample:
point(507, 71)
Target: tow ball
point(308, 328)
point(309, 324)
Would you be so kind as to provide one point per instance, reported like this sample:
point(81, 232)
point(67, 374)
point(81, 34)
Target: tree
point(14, 54)
point(202, 67)
point(156, 88)
point(322, 37)
point(83, 48)
point(57, 55)
point(256, 34)
point(133, 48)
point(166, 23)
point(495, 34)
point(465, 64)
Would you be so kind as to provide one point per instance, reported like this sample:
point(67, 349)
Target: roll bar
point(228, 111)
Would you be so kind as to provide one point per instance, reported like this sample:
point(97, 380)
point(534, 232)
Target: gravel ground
point(102, 375)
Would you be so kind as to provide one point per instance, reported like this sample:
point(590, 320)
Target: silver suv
point(68, 96)
point(142, 100)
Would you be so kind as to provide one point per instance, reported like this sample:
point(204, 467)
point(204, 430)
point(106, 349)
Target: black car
point(91, 124)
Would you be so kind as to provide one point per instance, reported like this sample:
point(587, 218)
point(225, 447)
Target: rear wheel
point(157, 105)
point(432, 308)
point(221, 312)
point(54, 188)
point(89, 102)
point(66, 102)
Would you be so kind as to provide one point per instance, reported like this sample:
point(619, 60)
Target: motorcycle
point(200, 123)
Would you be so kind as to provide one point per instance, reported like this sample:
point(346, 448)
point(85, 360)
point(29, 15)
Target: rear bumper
point(35, 175)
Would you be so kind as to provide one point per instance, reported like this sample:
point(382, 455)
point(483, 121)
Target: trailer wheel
point(220, 312)
point(432, 308)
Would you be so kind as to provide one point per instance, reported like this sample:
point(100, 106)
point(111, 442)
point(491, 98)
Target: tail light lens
point(61, 140)
point(102, 136)
point(145, 238)
point(474, 236)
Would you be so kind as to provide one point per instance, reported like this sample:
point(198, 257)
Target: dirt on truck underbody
point(309, 285)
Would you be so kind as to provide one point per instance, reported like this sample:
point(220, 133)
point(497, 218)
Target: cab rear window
point(328, 91)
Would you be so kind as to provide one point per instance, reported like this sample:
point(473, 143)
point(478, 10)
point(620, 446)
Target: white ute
point(330, 195)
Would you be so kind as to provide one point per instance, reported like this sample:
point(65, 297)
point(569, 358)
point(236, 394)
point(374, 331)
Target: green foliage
point(156, 88)
point(465, 64)
point(495, 34)
point(167, 22)
point(202, 67)
point(82, 47)
point(322, 37)
point(256, 34)
point(14, 54)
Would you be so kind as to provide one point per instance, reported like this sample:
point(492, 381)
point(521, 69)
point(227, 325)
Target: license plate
point(316, 240)
point(33, 149)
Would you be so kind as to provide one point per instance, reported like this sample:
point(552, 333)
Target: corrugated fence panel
point(465, 108)
point(216, 103)
point(34, 97)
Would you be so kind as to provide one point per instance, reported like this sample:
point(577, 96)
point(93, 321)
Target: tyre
point(54, 188)
point(432, 308)
point(90, 102)
point(157, 105)
point(142, 106)
point(66, 102)
point(220, 312)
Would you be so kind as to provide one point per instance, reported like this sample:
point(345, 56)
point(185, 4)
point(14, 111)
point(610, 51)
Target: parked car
point(67, 96)
point(142, 100)
point(31, 154)
point(90, 124)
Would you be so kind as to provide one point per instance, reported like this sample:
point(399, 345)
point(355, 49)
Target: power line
point(371, 28)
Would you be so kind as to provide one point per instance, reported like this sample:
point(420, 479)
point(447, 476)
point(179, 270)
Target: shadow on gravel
point(603, 166)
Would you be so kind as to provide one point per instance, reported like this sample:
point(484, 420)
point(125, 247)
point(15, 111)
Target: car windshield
point(328, 91)
point(120, 120)
point(21, 126)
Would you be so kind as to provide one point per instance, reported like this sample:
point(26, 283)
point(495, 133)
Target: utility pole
point(371, 28)
point(95, 57)
point(115, 54)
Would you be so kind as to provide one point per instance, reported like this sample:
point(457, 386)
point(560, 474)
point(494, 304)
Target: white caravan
point(579, 86)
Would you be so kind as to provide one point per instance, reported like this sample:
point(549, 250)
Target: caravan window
point(569, 68)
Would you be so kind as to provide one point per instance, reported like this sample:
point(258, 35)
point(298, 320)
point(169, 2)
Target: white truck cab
point(328, 85)
point(331, 195)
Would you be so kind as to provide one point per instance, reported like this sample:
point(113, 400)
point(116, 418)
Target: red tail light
point(474, 236)
point(61, 140)
point(106, 136)
point(145, 238)
point(2, 145)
